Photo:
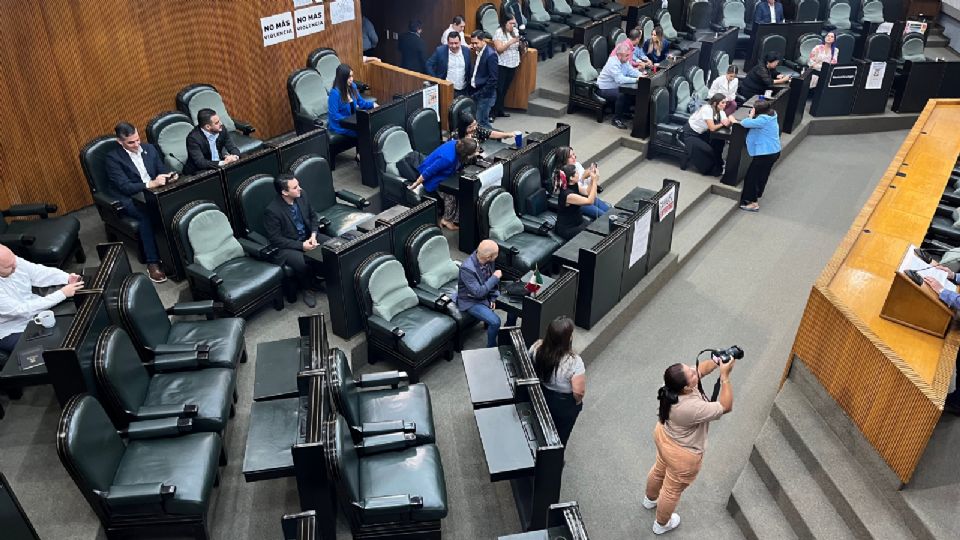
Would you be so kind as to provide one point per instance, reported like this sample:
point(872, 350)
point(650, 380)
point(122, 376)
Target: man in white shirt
point(18, 304)
point(767, 12)
point(618, 72)
point(456, 25)
point(451, 62)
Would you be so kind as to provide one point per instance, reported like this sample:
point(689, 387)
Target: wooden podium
point(916, 306)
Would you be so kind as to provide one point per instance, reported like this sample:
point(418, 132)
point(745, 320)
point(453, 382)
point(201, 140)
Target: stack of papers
point(912, 262)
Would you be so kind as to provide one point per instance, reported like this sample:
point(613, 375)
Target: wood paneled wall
point(393, 16)
point(387, 80)
point(74, 69)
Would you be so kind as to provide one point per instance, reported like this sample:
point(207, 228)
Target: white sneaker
point(648, 504)
point(671, 525)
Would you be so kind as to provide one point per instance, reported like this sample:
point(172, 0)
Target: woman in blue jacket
point(440, 165)
point(343, 101)
point(763, 145)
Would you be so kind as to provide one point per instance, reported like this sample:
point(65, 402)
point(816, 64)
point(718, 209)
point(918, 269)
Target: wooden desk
point(842, 334)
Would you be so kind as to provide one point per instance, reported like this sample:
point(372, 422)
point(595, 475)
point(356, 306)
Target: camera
point(725, 356)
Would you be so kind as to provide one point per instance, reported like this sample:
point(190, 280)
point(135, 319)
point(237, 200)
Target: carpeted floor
point(747, 286)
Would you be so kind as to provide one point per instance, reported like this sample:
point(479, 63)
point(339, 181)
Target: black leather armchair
point(315, 178)
point(876, 48)
point(214, 343)
point(48, 241)
point(168, 131)
point(679, 99)
point(435, 275)
point(397, 407)
point(666, 137)
point(237, 273)
point(307, 93)
point(424, 130)
point(388, 485)
point(397, 324)
point(158, 478)
point(530, 199)
point(587, 9)
point(561, 11)
point(205, 96)
point(118, 227)
point(393, 144)
point(522, 245)
point(795, 66)
point(838, 15)
point(538, 18)
point(457, 107)
point(699, 15)
point(326, 61)
point(733, 15)
point(175, 389)
point(584, 92)
point(808, 11)
point(615, 36)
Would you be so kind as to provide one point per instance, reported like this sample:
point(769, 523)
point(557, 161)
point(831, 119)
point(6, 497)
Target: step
point(754, 509)
point(805, 506)
point(541, 106)
point(615, 165)
point(552, 95)
point(858, 500)
point(934, 42)
point(696, 225)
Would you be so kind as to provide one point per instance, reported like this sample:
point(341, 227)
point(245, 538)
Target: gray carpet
point(748, 286)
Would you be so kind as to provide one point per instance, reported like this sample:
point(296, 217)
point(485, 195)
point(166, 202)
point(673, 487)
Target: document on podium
point(912, 262)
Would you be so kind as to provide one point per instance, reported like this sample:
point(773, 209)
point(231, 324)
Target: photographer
point(681, 435)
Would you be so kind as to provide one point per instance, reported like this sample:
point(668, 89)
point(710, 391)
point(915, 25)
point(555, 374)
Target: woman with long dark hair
point(826, 51)
point(442, 163)
point(469, 127)
point(561, 373)
point(656, 46)
point(763, 145)
point(566, 156)
point(344, 100)
point(572, 200)
point(506, 41)
point(681, 435)
point(704, 152)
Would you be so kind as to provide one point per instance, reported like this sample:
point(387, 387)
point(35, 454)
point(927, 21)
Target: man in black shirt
point(291, 227)
point(761, 77)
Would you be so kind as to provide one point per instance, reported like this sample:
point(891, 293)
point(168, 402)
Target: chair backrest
point(142, 312)
point(169, 130)
point(529, 197)
point(548, 165)
point(845, 45)
point(382, 288)
point(660, 101)
point(581, 68)
point(181, 223)
point(808, 10)
point(805, 45)
point(562, 7)
point(307, 92)
point(538, 13)
point(210, 237)
point(646, 27)
point(664, 21)
point(698, 15)
point(488, 18)
point(121, 376)
point(733, 14)
point(679, 93)
point(877, 48)
point(89, 447)
point(430, 252)
point(313, 173)
point(912, 48)
point(698, 84)
point(839, 15)
point(204, 96)
point(457, 106)
point(597, 46)
point(614, 37)
point(326, 62)
point(93, 158)
point(872, 11)
point(582, 3)
point(721, 61)
point(343, 387)
point(425, 131)
point(773, 43)
point(393, 144)
point(253, 196)
point(498, 218)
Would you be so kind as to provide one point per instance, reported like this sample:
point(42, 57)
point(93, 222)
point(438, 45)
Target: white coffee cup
point(45, 319)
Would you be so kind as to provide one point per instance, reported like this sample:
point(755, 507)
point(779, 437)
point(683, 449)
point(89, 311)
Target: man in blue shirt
point(616, 73)
point(291, 226)
point(477, 288)
point(951, 298)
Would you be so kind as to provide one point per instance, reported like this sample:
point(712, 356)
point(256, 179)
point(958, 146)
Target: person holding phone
point(572, 201)
point(566, 156)
point(761, 77)
point(18, 303)
point(763, 145)
point(952, 299)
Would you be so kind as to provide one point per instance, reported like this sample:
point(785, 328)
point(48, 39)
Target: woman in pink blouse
point(826, 51)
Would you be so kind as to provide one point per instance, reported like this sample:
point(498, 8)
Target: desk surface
point(601, 225)
point(514, 304)
point(504, 441)
point(278, 363)
point(274, 427)
point(569, 252)
point(487, 377)
point(12, 375)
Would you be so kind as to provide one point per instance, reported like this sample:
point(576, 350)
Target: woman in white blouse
point(727, 85)
point(506, 41)
point(562, 375)
point(826, 51)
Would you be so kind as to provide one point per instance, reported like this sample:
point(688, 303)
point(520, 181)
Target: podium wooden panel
point(863, 317)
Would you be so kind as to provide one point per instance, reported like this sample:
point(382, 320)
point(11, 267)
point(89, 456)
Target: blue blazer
point(486, 77)
point(761, 13)
point(472, 290)
point(439, 165)
point(438, 63)
point(122, 173)
point(338, 109)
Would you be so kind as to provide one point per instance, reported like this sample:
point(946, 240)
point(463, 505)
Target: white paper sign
point(309, 20)
point(667, 203)
point(431, 99)
point(875, 75)
point(641, 235)
point(341, 11)
point(277, 28)
point(490, 178)
point(301, 3)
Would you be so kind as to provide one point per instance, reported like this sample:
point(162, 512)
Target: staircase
point(811, 475)
point(935, 38)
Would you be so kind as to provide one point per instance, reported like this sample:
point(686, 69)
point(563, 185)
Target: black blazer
point(278, 223)
point(124, 178)
point(413, 52)
point(486, 76)
point(198, 150)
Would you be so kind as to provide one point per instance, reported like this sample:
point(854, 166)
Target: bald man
point(477, 289)
point(18, 304)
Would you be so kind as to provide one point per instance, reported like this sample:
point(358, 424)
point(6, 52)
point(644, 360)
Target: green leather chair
point(388, 486)
point(168, 131)
point(434, 275)
point(423, 125)
point(393, 144)
point(315, 178)
point(397, 324)
point(458, 106)
point(116, 224)
point(215, 343)
point(375, 412)
point(219, 267)
point(47, 241)
point(523, 245)
point(206, 96)
point(158, 478)
point(176, 389)
point(307, 93)
point(530, 200)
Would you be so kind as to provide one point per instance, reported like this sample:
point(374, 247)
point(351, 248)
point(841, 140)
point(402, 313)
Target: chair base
point(377, 347)
point(426, 530)
point(144, 529)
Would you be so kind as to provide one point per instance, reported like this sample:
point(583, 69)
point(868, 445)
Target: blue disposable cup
point(518, 138)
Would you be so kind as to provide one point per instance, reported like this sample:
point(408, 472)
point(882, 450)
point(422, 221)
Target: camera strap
point(716, 385)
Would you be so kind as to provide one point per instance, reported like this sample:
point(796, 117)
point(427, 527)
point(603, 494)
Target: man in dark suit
point(483, 81)
point(452, 62)
point(413, 51)
point(209, 145)
point(291, 227)
point(133, 167)
point(768, 11)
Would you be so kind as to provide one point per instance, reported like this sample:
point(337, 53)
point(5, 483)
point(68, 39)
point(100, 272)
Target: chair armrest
point(175, 348)
point(207, 276)
point(352, 198)
point(508, 253)
point(31, 209)
point(201, 307)
point(322, 221)
point(17, 240)
point(557, 18)
point(160, 427)
point(255, 250)
point(154, 412)
point(103, 199)
point(950, 199)
point(137, 496)
point(533, 25)
point(437, 302)
point(386, 442)
point(389, 505)
point(680, 118)
point(532, 227)
point(244, 127)
point(178, 361)
point(370, 429)
point(382, 378)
